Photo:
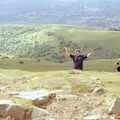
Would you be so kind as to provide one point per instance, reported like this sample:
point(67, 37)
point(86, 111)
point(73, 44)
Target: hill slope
point(46, 41)
point(75, 91)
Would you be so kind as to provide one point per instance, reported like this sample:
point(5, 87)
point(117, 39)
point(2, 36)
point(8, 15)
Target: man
point(77, 58)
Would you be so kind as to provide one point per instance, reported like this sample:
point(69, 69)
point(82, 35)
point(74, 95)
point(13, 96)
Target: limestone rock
point(4, 104)
point(16, 111)
point(39, 114)
point(115, 107)
point(93, 117)
point(45, 101)
point(98, 91)
point(41, 98)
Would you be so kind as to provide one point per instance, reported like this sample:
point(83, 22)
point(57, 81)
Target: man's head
point(77, 52)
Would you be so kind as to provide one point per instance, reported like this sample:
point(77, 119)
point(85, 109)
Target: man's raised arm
point(89, 54)
point(65, 52)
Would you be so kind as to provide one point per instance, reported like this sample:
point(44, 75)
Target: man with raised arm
point(77, 58)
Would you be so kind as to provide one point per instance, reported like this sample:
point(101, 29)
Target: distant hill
point(91, 13)
point(46, 41)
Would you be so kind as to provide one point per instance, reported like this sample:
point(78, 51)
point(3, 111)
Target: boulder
point(41, 98)
point(17, 112)
point(45, 101)
point(115, 107)
point(98, 91)
point(39, 114)
point(11, 111)
point(4, 104)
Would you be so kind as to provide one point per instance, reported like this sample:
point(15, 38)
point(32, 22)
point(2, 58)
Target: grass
point(36, 66)
point(80, 88)
point(58, 80)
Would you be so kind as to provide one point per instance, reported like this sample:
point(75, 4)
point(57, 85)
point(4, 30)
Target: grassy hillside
point(46, 41)
point(71, 83)
point(32, 65)
point(24, 80)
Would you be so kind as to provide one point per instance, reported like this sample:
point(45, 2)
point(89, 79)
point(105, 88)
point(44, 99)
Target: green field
point(32, 72)
point(107, 65)
point(34, 75)
point(46, 41)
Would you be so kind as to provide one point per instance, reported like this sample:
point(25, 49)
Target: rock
point(11, 111)
point(115, 107)
point(32, 95)
point(3, 108)
point(41, 98)
point(75, 107)
point(13, 93)
point(28, 114)
point(39, 114)
point(98, 91)
point(7, 118)
point(117, 116)
point(44, 102)
point(93, 117)
point(4, 104)
point(91, 90)
point(65, 97)
point(17, 112)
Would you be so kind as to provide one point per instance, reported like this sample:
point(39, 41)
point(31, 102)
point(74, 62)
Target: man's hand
point(65, 49)
point(65, 52)
point(90, 54)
